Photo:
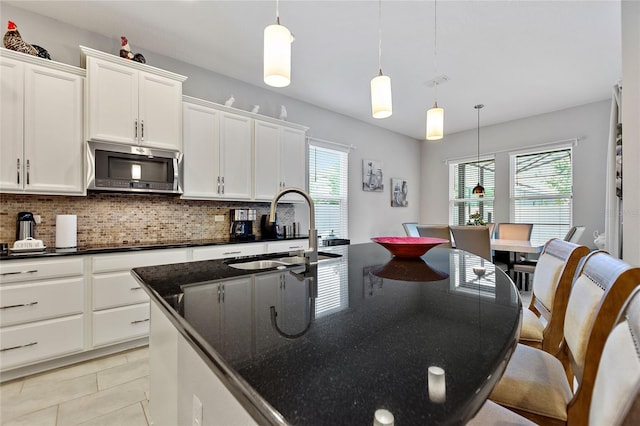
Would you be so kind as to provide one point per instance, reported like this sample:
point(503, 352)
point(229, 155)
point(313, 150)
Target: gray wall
point(589, 123)
point(370, 214)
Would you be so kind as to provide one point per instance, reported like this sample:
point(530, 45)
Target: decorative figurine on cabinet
point(13, 41)
point(125, 52)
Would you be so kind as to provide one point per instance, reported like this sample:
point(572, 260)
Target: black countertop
point(356, 335)
point(110, 248)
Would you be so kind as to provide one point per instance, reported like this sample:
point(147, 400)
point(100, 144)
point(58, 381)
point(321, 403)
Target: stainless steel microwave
point(131, 168)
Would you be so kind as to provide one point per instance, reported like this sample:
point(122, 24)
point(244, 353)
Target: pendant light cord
point(278, 12)
point(380, 36)
point(435, 47)
point(478, 162)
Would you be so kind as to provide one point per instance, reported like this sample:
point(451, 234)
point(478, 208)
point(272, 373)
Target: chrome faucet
point(311, 254)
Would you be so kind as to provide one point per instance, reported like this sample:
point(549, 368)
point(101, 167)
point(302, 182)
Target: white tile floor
point(112, 390)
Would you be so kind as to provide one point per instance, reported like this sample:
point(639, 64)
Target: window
point(464, 207)
point(541, 192)
point(328, 184)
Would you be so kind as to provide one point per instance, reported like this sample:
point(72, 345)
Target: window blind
point(328, 186)
point(333, 289)
point(542, 192)
point(463, 205)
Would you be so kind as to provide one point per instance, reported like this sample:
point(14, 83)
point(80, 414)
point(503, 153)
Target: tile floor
point(112, 390)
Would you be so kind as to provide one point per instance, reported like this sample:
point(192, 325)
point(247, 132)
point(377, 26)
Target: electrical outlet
point(197, 411)
point(218, 218)
point(37, 218)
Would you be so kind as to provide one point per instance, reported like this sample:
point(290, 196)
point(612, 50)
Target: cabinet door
point(113, 101)
point(235, 142)
point(160, 112)
point(237, 319)
point(53, 140)
point(267, 160)
point(11, 124)
point(294, 164)
point(201, 151)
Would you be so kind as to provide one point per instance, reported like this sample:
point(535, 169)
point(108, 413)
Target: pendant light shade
point(478, 189)
point(381, 101)
point(435, 123)
point(381, 96)
point(277, 55)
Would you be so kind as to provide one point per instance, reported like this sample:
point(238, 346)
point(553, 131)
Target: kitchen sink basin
point(279, 263)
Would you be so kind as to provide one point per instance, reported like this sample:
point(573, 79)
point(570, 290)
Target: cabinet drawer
point(290, 245)
point(122, 262)
point(23, 344)
point(228, 250)
point(116, 289)
point(118, 324)
point(40, 300)
point(17, 271)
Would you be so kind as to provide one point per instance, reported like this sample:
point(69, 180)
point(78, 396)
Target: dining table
point(516, 247)
point(424, 339)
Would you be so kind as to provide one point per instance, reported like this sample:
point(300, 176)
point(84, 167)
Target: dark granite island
point(332, 345)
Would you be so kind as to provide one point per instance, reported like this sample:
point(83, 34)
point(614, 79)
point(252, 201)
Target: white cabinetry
point(228, 250)
point(41, 137)
point(41, 310)
point(217, 152)
point(222, 312)
point(280, 159)
point(133, 103)
point(120, 306)
point(287, 245)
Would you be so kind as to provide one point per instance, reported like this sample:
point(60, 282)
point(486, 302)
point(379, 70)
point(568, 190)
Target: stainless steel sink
point(260, 264)
point(279, 263)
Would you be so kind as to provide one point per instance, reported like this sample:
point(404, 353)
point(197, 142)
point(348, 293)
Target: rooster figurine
point(125, 52)
point(13, 41)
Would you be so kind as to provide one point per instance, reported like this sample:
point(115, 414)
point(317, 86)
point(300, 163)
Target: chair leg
point(526, 282)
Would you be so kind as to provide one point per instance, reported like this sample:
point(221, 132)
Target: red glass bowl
point(408, 247)
point(414, 269)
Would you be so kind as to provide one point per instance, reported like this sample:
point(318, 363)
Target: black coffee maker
point(25, 226)
point(242, 224)
point(270, 230)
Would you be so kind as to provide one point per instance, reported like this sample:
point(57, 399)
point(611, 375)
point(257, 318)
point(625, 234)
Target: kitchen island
point(329, 344)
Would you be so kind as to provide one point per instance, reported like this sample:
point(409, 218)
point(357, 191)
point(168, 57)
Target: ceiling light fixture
point(381, 105)
point(435, 116)
point(479, 189)
point(277, 53)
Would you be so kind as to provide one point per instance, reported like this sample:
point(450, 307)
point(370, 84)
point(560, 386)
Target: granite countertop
point(111, 248)
point(356, 335)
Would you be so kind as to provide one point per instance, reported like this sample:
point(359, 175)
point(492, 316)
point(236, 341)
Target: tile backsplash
point(106, 220)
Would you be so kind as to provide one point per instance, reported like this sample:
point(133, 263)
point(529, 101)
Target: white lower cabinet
point(288, 245)
point(228, 250)
point(37, 341)
point(119, 324)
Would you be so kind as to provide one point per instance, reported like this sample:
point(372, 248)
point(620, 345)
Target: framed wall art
point(372, 176)
point(399, 190)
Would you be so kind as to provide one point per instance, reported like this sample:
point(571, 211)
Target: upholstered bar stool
point(543, 321)
point(436, 231)
point(538, 385)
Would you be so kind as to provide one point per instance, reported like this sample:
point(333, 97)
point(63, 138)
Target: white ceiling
point(519, 58)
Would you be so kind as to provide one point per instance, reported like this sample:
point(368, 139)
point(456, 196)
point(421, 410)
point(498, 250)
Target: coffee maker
point(242, 224)
point(25, 226)
point(269, 229)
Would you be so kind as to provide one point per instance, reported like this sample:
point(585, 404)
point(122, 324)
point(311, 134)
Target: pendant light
point(435, 116)
point(479, 189)
point(277, 53)
point(381, 104)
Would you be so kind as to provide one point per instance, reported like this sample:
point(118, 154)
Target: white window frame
point(452, 176)
point(540, 150)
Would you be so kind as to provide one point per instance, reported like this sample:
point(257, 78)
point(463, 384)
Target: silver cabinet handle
point(222, 292)
point(19, 306)
point(139, 321)
point(142, 131)
point(28, 169)
point(33, 271)
point(223, 184)
point(219, 292)
point(135, 129)
point(18, 168)
point(232, 252)
point(18, 347)
point(218, 184)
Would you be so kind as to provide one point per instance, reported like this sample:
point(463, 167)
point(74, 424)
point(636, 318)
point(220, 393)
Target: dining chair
point(436, 231)
point(538, 385)
point(410, 229)
point(575, 233)
point(543, 321)
point(474, 239)
point(511, 231)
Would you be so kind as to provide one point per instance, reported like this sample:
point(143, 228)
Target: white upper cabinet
point(41, 139)
point(280, 159)
point(133, 103)
point(217, 153)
